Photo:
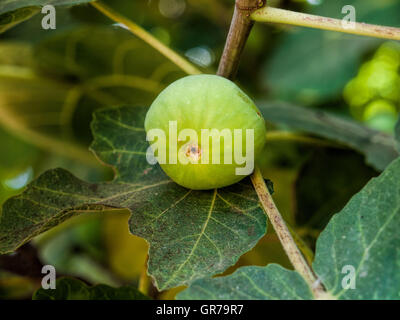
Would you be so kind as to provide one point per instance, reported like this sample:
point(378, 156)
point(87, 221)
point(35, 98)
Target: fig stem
point(138, 31)
point(239, 31)
point(284, 235)
point(276, 15)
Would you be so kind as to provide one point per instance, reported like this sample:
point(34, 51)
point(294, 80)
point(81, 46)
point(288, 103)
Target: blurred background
point(52, 80)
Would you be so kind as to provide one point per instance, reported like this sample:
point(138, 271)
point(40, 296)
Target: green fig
point(205, 132)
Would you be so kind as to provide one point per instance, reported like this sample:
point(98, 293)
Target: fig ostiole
point(205, 132)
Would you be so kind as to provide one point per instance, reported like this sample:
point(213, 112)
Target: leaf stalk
point(284, 235)
point(138, 31)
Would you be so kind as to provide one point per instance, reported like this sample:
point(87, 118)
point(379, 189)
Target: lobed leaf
point(74, 289)
point(379, 148)
point(251, 283)
point(215, 227)
point(361, 243)
point(364, 237)
point(192, 234)
point(48, 201)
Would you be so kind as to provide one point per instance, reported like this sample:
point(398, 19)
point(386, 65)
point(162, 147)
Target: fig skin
point(205, 102)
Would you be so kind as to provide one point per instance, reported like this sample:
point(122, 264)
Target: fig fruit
point(205, 132)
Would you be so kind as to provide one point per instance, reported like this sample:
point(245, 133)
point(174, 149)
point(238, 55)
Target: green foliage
point(379, 148)
point(74, 289)
point(251, 283)
point(215, 227)
point(51, 82)
point(200, 246)
point(363, 236)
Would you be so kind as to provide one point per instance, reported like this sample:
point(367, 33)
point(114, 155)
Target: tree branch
point(275, 15)
point(239, 31)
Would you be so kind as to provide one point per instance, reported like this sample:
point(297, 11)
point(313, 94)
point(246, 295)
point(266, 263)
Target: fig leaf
point(192, 234)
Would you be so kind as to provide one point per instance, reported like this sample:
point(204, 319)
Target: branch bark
point(239, 31)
